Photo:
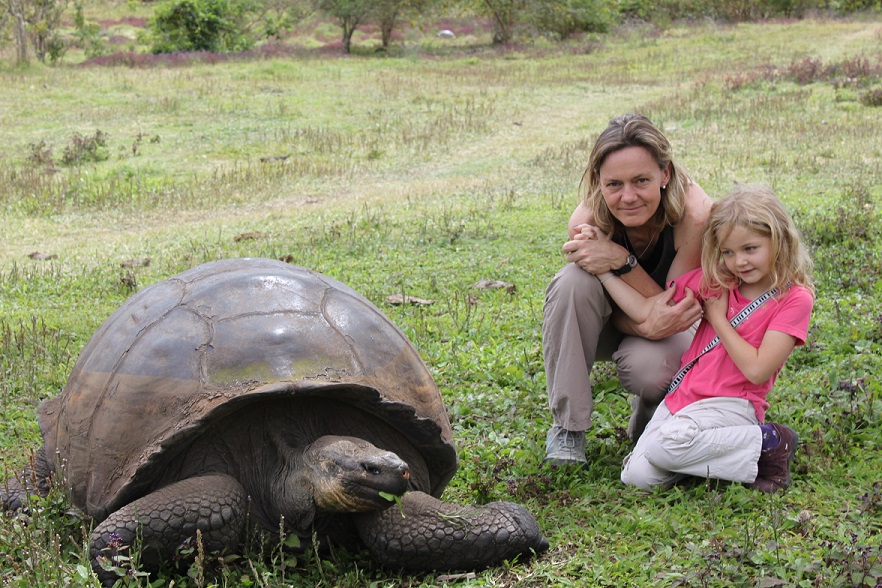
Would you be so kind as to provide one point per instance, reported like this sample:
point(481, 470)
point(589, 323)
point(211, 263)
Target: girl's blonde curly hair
point(756, 208)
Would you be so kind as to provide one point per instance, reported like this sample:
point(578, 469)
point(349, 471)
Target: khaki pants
point(576, 332)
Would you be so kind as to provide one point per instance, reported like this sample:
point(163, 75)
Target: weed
point(34, 544)
point(856, 71)
point(41, 155)
point(871, 97)
point(85, 149)
point(806, 71)
point(851, 218)
point(32, 355)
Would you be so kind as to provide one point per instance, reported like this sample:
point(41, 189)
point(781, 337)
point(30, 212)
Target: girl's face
point(748, 255)
point(631, 181)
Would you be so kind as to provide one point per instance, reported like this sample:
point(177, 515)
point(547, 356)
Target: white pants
point(714, 438)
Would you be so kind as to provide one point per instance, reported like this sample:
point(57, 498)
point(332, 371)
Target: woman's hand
point(593, 251)
point(666, 319)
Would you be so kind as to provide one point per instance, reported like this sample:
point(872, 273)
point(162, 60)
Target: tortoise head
point(349, 474)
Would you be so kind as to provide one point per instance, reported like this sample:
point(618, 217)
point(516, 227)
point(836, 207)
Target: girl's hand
point(715, 307)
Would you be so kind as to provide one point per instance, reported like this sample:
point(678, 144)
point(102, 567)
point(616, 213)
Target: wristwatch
point(630, 264)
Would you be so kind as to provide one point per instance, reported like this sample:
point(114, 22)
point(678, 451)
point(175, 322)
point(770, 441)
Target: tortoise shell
point(203, 344)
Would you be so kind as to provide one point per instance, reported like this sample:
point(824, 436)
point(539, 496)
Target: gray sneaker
point(640, 417)
point(564, 447)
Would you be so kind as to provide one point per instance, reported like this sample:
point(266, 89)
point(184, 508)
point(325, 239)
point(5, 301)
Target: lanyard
point(736, 320)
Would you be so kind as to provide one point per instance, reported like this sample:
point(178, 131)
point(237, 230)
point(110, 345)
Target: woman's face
point(631, 181)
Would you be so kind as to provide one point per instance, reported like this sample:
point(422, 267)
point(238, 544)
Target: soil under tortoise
point(249, 393)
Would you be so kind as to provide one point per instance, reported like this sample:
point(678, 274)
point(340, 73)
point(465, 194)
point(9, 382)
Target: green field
point(420, 174)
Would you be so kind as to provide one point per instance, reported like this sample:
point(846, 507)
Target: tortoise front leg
point(426, 534)
point(36, 478)
point(163, 521)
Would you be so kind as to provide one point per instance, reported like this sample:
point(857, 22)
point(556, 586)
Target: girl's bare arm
point(633, 303)
point(757, 364)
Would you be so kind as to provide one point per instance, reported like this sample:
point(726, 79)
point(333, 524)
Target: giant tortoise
point(252, 394)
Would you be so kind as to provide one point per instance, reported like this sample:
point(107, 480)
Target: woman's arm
point(581, 216)
point(590, 251)
point(688, 235)
point(757, 364)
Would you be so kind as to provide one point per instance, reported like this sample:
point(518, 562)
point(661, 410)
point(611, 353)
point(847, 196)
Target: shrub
point(41, 155)
point(55, 48)
point(43, 22)
point(202, 25)
point(807, 70)
point(84, 149)
point(87, 35)
point(660, 12)
point(665, 11)
point(872, 97)
point(562, 18)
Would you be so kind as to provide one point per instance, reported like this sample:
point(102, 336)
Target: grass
point(419, 175)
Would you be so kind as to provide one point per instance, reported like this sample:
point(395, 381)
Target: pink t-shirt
point(715, 374)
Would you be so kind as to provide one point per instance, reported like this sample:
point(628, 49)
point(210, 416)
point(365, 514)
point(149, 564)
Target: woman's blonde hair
point(756, 208)
point(634, 130)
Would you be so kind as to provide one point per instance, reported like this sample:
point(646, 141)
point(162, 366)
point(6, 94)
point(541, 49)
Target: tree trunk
point(386, 28)
point(349, 26)
point(387, 25)
point(503, 13)
point(347, 38)
point(502, 33)
point(19, 27)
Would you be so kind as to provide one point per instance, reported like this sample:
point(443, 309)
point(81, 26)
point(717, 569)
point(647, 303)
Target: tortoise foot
point(426, 534)
point(208, 509)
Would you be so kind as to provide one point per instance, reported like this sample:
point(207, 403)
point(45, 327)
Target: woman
point(656, 216)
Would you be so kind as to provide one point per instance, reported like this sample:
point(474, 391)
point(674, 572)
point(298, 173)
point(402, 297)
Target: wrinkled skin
point(426, 533)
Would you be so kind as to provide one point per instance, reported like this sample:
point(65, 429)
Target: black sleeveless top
point(659, 261)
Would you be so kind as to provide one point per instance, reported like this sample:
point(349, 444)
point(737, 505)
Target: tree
point(388, 14)
point(87, 35)
point(34, 20)
point(202, 25)
point(44, 18)
point(14, 10)
point(350, 14)
point(279, 15)
point(505, 15)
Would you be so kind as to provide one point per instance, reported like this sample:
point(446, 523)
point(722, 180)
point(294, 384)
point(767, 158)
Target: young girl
point(711, 422)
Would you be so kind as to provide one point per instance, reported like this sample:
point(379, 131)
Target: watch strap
point(630, 263)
